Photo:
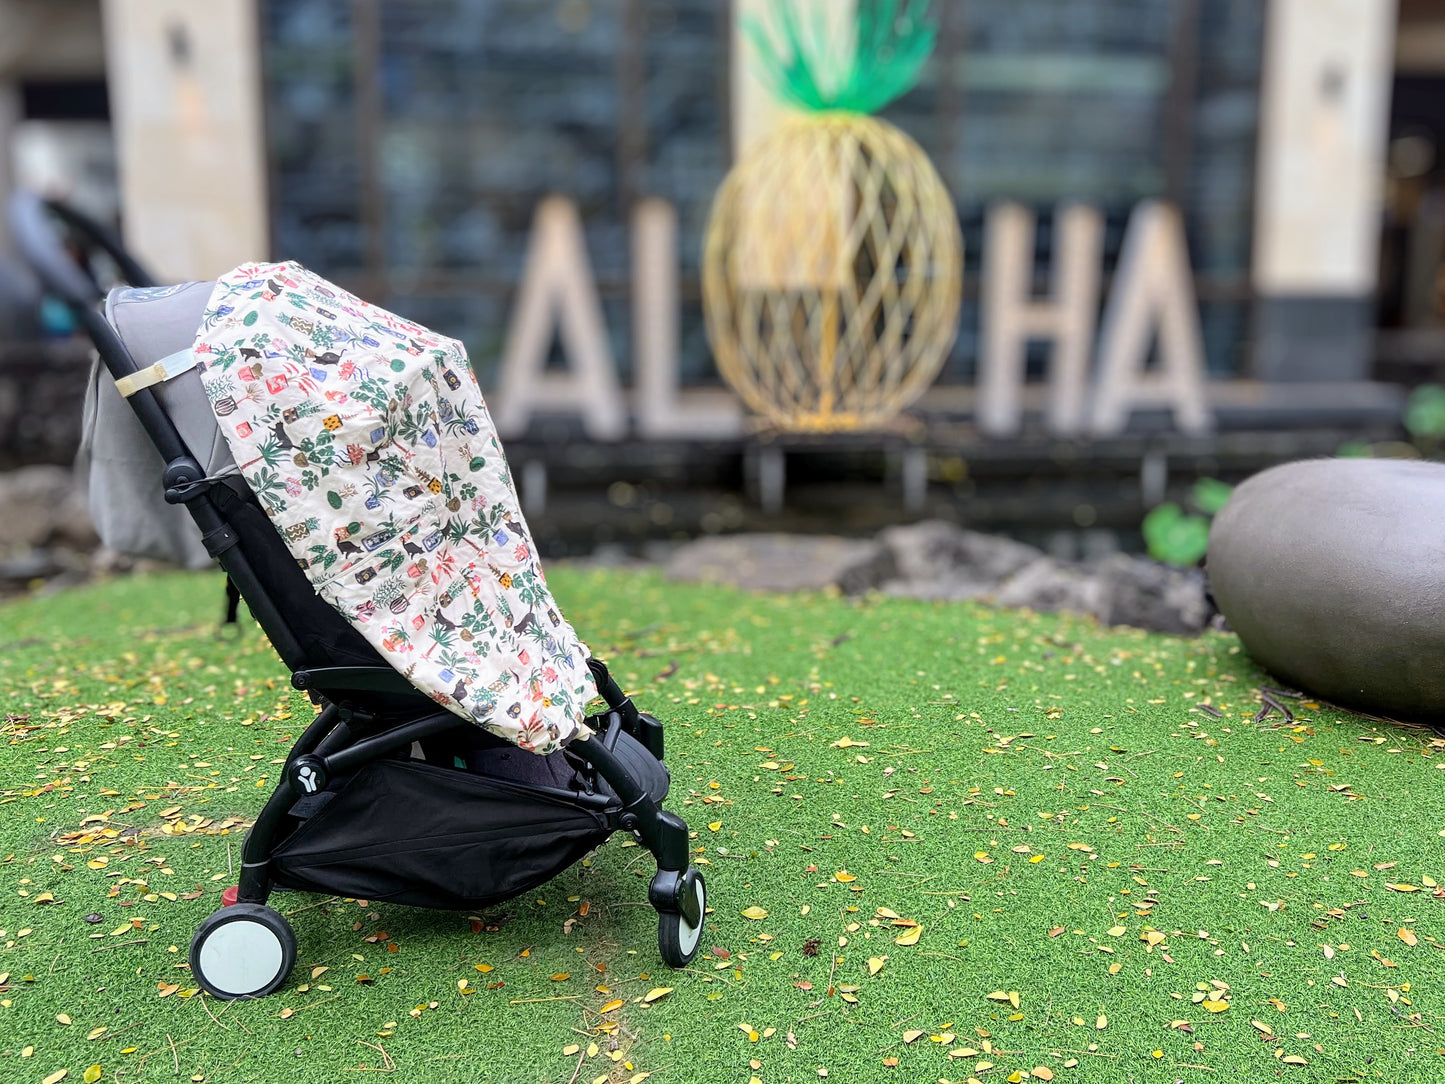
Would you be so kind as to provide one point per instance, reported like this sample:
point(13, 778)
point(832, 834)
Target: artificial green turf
point(991, 738)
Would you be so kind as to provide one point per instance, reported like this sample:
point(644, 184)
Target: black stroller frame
point(368, 712)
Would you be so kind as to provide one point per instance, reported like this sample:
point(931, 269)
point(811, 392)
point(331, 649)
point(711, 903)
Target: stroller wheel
point(245, 950)
point(677, 938)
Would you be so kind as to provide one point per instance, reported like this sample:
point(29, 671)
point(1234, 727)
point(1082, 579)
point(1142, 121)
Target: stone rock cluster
point(938, 560)
point(45, 530)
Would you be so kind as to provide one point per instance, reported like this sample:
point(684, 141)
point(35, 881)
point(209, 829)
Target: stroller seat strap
point(168, 368)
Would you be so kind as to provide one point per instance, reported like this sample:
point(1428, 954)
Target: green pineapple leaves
point(894, 40)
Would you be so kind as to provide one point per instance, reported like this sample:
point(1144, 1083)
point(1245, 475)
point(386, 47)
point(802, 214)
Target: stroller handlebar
point(44, 249)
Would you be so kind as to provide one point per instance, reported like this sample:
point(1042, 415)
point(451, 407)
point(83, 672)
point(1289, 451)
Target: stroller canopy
point(365, 438)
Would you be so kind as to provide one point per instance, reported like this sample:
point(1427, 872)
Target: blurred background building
point(403, 147)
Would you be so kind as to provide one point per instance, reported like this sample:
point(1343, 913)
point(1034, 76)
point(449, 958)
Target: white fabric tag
point(168, 368)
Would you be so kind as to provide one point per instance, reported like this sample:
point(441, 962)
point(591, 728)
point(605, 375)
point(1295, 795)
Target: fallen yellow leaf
point(63, 1018)
point(844, 877)
point(1214, 1006)
point(1408, 936)
point(657, 993)
point(92, 1074)
point(611, 1005)
point(909, 937)
point(875, 964)
point(757, 914)
point(56, 1077)
point(912, 1036)
point(1101, 1023)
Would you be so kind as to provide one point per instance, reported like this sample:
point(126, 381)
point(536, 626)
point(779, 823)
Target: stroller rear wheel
point(677, 937)
point(245, 950)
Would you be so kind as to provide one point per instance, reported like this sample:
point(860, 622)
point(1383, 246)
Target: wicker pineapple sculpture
point(832, 264)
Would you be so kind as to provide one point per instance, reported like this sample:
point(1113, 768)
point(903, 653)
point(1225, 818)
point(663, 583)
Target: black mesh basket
point(409, 832)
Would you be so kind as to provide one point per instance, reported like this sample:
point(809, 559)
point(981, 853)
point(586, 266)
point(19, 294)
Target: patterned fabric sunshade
point(366, 439)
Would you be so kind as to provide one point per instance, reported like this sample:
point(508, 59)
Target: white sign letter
point(558, 290)
point(1011, 316)
point(661, 410)
point(1152, 288)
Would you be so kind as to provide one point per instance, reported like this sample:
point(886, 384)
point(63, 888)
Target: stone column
point(9, 118)
point(1324, 116)
point(186, 104)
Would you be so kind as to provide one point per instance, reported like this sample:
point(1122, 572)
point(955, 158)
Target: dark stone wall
point(42, 390)
point(485, 106)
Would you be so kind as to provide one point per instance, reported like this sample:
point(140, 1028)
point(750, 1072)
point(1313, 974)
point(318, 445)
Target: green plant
point(1425, 414)
point(1177, 537)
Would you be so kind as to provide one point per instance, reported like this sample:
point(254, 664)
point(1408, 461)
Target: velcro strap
point(219, 541)
point(168, 368)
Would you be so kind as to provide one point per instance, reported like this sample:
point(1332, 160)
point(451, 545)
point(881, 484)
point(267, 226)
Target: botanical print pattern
point(366, 439)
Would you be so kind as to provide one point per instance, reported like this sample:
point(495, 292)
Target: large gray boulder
point(1332, 572)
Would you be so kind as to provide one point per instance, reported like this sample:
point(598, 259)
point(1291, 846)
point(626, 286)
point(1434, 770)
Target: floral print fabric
point(365, 438)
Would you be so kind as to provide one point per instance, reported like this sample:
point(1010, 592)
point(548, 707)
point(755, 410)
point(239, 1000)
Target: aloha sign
point(1099, 372)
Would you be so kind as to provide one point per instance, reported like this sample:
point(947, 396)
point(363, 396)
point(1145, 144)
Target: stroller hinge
point(184, 480)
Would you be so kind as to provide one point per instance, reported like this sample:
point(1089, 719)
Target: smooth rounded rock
point(1332, 572)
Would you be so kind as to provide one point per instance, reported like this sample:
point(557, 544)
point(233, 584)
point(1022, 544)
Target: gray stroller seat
point(118, 458)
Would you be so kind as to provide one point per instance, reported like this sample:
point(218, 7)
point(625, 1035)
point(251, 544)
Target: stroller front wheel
point(245, 950)
point(677, 939)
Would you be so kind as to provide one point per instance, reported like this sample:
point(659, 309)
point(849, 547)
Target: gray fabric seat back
point(122, 467)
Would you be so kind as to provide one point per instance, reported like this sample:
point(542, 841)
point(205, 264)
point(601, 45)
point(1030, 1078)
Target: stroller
point(474, 814)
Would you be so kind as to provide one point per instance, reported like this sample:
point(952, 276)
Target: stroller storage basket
point(403, 831)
